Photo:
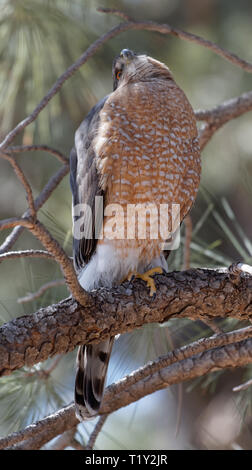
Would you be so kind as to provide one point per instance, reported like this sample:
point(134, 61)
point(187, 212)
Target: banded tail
point(92, 366)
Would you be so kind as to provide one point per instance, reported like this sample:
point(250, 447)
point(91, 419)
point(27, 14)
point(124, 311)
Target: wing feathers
point(84, 181)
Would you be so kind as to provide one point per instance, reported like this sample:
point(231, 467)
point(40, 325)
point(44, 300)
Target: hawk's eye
point(118, 74)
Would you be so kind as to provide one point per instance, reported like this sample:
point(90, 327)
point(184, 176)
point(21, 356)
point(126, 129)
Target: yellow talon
point(147, 278)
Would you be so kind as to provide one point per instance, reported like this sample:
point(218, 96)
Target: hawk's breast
point(147, 155)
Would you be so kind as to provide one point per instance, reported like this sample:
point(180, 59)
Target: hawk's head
point(129, 66)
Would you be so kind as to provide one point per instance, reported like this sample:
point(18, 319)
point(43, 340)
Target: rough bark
point(196, 294)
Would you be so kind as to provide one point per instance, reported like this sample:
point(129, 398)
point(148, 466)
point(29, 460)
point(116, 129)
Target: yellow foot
point(147, 278)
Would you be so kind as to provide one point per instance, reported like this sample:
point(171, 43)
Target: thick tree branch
point(197, 294)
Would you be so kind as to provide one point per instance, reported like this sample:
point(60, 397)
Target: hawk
point(138, 145)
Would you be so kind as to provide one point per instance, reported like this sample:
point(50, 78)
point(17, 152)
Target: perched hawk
point(138, 145)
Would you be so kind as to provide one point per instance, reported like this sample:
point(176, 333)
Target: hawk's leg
point(147, 278)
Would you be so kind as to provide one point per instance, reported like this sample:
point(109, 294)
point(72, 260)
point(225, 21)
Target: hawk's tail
point(92, 366)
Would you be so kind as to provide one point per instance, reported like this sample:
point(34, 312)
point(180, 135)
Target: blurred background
point(39, 39)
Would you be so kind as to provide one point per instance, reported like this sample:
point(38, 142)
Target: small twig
point(221, 114)
point(116, 12)
point(14, 222)
point(54, 364)
point(167, 29)
point(44, 148)
point(243, 386)
point(26, 254)
point(35, 295)
point(11, 239)
point(227, 109)
point(95, 432)
point(188, 238)
point(44, 373)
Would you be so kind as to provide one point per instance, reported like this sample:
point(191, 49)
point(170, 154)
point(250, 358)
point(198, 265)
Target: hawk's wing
point(84, 181)
point(92, 360)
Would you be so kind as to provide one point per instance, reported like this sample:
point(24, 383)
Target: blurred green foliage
point(39, 39)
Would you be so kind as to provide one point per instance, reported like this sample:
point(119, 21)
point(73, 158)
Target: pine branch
point(41, 148)
point(26, 254)
point(167, 29)
point(196, 294)
point(221, 114)
point(138, 384)
point(14, 222)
